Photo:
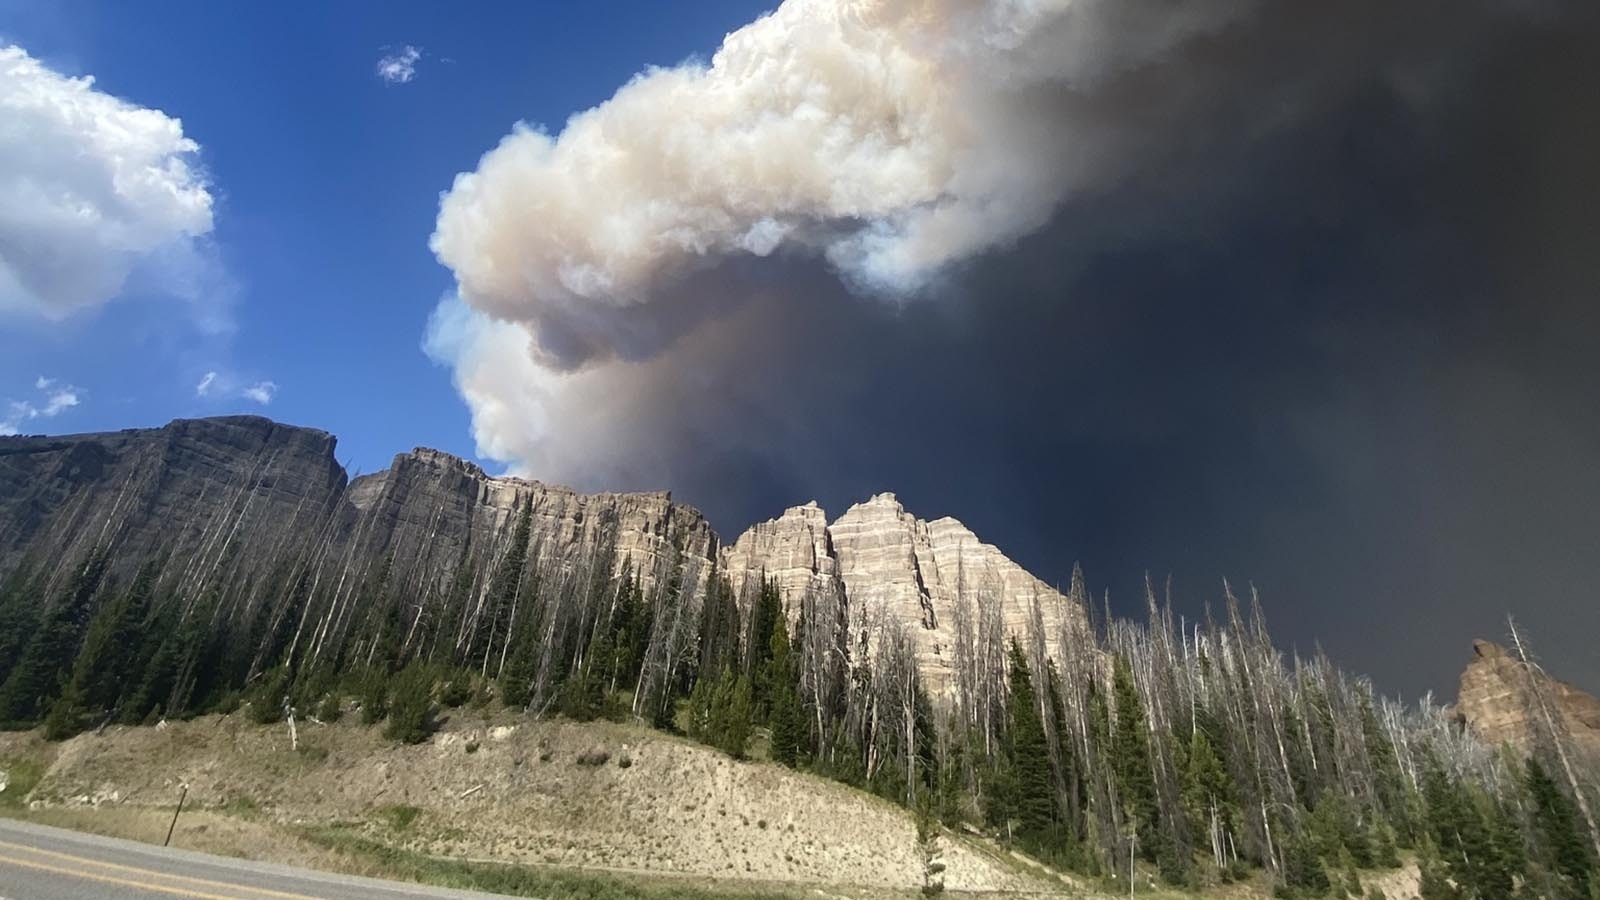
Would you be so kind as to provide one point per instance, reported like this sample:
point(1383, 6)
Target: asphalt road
point(40, 863)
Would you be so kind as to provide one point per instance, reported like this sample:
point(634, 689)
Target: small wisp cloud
point(399, 67)
point(53, 398)
point(214, 385)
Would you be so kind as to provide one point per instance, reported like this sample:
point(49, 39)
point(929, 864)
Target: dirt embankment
point(512, 791)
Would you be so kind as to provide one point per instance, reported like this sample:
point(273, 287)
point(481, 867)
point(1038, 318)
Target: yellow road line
point(111, 879)
point(83, 860)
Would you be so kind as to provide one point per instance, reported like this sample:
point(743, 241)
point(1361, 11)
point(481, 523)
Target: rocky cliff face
point(429, 508)
point(242, 505)
point(231, 494)
point(1499, 701)
point(935, 580)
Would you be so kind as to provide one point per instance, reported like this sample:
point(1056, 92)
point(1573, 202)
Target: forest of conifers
point(1192, 750)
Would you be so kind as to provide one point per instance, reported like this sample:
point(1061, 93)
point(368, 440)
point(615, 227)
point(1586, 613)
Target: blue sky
point(326, 181)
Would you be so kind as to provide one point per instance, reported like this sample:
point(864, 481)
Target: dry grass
point(677, 809)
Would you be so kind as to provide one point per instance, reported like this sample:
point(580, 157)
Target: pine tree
point(162, 651)
point(105, 664)
point(35, 682)
point(785, 717)
point(1130, 742)
point(1559, 835)
point(736, 710)
point(1030, 759)
point(411, 712)
point(1208, 792)
point(1302, 870)
point(266, 697)
point(19, 615)
point(766, 617)
point(373, 690)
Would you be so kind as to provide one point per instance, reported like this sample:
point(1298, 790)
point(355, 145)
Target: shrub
point(400, 816)
point(456, 691)
point(593, 757)
point(331, 709)
point(411, 711)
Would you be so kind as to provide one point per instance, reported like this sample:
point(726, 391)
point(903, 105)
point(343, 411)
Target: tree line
point(1194, 751)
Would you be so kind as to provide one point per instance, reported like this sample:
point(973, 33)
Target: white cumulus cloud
point(399, 67)
point(890, 139)
point(207, 381)
point(91, 186)
point(893, 137)
point(54, 398)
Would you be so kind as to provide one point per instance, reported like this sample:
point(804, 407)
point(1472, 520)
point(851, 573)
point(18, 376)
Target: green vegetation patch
point(22, 775)
point(519, 881)
point(400, 816)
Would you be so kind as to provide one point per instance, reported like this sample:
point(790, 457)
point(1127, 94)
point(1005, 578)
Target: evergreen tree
point(411, 712)
point(1208, 793)
point(1302, 870)
point(36, 680)
point(1029, 757)
point(372, 688)
point(19, 615)
point(766, 617)
point(736, 708)
point(162, 652)
point(720, 712)
point(1130, 742)
point(785, 718)
point(1559, 835)
point(266, 697)
point(105, 665)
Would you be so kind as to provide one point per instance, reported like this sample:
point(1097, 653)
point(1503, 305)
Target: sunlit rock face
point(934, 580)
point(1500, 702)
point(793, 550)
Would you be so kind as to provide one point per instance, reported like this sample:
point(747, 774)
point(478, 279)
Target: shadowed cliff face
point(224, 495)
point(1501, 701)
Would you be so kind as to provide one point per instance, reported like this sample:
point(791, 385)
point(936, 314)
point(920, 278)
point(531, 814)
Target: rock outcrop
point(936, 580)
point(1501, 700)
point(239, 505)
point(226, 493)
point(428, 508)
point(242, 506)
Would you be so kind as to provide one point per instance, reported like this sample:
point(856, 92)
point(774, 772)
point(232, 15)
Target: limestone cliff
point(936, 579)
point(1499, 701)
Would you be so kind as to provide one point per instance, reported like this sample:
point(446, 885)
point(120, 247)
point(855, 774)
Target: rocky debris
point(895, 569)
point(1498, 703)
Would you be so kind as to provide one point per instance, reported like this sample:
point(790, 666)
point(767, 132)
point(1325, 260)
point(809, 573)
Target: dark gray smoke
point(1323, 320)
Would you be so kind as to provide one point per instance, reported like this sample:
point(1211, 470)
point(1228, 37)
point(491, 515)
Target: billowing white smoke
point(892, 137)
point(90, 187)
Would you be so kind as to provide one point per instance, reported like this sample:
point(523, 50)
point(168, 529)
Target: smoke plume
point(1292, 292)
